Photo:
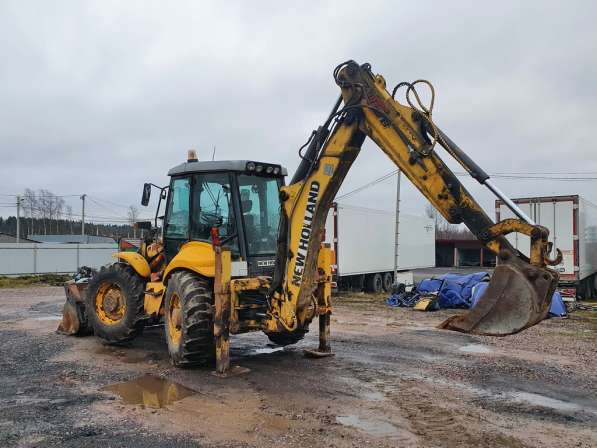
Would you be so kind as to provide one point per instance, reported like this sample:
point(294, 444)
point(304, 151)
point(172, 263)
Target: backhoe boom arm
point(408, 136)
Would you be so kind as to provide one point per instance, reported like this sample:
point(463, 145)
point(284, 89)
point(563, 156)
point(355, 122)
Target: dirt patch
point(396, 380)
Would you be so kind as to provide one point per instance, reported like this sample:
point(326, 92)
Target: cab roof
point(219, 165)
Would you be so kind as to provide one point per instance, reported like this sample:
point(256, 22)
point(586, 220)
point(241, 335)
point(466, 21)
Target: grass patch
point(33, 280)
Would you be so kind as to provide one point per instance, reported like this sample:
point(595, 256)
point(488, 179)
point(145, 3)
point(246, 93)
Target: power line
point(113, 203)
point(369, 184)
point(504, 175)
point(42, 195)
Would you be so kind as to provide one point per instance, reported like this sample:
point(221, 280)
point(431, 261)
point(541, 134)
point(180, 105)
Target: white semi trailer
point(363, 242)
point(572, 224)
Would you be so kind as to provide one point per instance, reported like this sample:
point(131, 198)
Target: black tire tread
point(197, 345)
point(133, 287)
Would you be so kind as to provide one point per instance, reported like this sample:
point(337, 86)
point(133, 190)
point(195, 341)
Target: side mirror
point(146, 194)
point(143, 225)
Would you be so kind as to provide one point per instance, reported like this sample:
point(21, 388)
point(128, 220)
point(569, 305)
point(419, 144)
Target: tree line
point(43, 212)
point(63, 227)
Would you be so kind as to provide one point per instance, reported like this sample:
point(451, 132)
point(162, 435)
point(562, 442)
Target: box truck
point(363, 243)
point(572, 224)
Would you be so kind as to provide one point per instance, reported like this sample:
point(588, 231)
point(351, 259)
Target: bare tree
point(69, 217)
point(133, 214)
point(443, 229)
point(30, 208)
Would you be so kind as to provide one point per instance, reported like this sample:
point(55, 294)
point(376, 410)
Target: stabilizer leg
point(222, 315)
point(324, 350)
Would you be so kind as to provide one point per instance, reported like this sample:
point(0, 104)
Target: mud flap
point(517, 297)
point(74, 320)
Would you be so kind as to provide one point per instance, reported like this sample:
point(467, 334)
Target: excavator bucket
point(517, 297)
point(74, 320)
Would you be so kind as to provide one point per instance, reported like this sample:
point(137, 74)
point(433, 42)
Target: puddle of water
point(475, 348)
point(150, 391)
point(374, 396)
point(546, 402)
point(47, 318)
point(374, 427)
point(260, 351)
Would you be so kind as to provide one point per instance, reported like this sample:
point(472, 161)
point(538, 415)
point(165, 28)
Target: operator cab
point(239, 197)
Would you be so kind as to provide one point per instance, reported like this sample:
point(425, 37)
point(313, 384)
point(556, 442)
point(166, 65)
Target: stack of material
point(455, 291)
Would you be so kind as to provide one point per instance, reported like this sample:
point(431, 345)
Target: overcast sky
point(99, 97)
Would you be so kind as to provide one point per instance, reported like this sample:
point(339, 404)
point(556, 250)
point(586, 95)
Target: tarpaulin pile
point(452, 290)
point(457, 291)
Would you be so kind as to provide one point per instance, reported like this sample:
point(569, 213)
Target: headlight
point(250, 166)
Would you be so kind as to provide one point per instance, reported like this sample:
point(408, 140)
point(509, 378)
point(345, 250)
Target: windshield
point(260, 205)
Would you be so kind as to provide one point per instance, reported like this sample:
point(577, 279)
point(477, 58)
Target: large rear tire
point(114, 302)
point(188, 316)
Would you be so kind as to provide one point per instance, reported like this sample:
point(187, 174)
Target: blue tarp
point(460, 291)
point(454, 290)
point(405, 299)
point(556, 309)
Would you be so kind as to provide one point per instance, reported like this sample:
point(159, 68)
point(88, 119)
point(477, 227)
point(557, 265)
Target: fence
point(46, 258)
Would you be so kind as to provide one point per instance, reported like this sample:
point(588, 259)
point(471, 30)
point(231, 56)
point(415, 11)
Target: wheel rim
point(175, 319)
point(110, 304)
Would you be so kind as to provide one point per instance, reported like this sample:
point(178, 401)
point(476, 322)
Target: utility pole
point(397, 228)
point(19, 219)
point(83, 215)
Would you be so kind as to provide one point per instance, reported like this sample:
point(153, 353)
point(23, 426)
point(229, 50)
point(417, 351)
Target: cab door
point(176, 224)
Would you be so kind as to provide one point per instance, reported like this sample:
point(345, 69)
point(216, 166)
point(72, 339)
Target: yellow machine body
point(197, 279)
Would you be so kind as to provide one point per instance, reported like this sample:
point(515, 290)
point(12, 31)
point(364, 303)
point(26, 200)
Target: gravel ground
point(395, 381)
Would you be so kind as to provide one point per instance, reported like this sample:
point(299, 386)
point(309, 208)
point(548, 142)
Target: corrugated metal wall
point(45, 258)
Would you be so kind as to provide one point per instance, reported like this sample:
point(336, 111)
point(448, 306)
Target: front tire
point(189, 326)
point(114, 303)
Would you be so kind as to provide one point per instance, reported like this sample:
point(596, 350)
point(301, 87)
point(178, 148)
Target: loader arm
point(520, 290)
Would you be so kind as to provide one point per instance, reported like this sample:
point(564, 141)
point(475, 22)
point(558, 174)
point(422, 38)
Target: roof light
point(259, 168)
point(192, 156)
point(269, 169)
point(250, 166)
point(277, 170)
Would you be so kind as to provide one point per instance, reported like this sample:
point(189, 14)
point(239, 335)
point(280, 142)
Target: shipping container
point(572, 224)
point(363, 243)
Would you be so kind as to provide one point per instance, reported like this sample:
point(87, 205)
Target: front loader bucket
point(74, 320)
point(517, 297)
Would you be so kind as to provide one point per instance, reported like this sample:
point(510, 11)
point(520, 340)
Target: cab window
point(177, 219)
point(260, 204)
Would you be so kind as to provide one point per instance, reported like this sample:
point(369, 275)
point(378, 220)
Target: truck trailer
point(572, 224)
point(363, 241)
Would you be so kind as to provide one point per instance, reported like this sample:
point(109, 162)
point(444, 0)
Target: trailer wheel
point(388, 281)
point(374, 283)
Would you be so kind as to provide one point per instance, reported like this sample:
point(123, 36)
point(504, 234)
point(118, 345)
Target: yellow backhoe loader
point(240, 251)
